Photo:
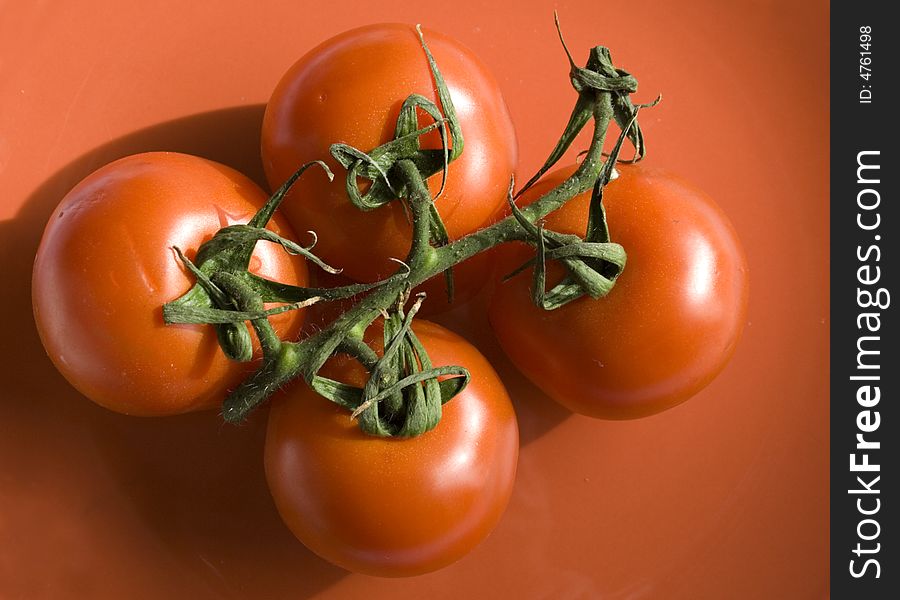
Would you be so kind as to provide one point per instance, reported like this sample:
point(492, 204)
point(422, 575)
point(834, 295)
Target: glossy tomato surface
point(349, 89)
point(394, 506)
point(668, 326)
point(106, 265)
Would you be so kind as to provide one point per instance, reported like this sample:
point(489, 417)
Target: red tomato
point(666, 329)
point(105, 267)
point(394, 506)
point(349, 89)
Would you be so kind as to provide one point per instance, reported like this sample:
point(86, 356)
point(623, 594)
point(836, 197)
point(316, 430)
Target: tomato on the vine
point(394, 506)
point(349, 89)
point(106, 266)
point(666, 329)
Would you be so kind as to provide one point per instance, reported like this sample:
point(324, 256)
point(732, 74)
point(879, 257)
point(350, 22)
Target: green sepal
point(186, 313)
point(404, 394)
point(376, 165)
point(593, 263)
point(234, 338)
point(344, 395)
point(263, 215)
point(580, 116)
point(230, 251)
point(597, 76)
point(234, 238)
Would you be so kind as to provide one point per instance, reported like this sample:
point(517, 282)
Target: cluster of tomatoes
point(385, 506)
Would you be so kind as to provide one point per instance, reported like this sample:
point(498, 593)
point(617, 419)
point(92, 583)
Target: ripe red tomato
point(394, 506)
point(666, 329)
point(349, 89)
point(105, 267)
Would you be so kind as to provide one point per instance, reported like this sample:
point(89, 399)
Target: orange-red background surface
point(725, 496)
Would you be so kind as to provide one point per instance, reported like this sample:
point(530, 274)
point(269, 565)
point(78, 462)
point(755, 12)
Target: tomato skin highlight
point(349, 89)
point(669, 325)
point(105, 267)
point(394, 507)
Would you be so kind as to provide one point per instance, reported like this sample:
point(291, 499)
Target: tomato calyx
point(230, 250)
point(379, 166)
point(226, 294)
point(405, 392)
point(593, 262)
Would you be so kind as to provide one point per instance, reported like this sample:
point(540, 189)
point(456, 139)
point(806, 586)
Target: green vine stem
point(402, 378)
